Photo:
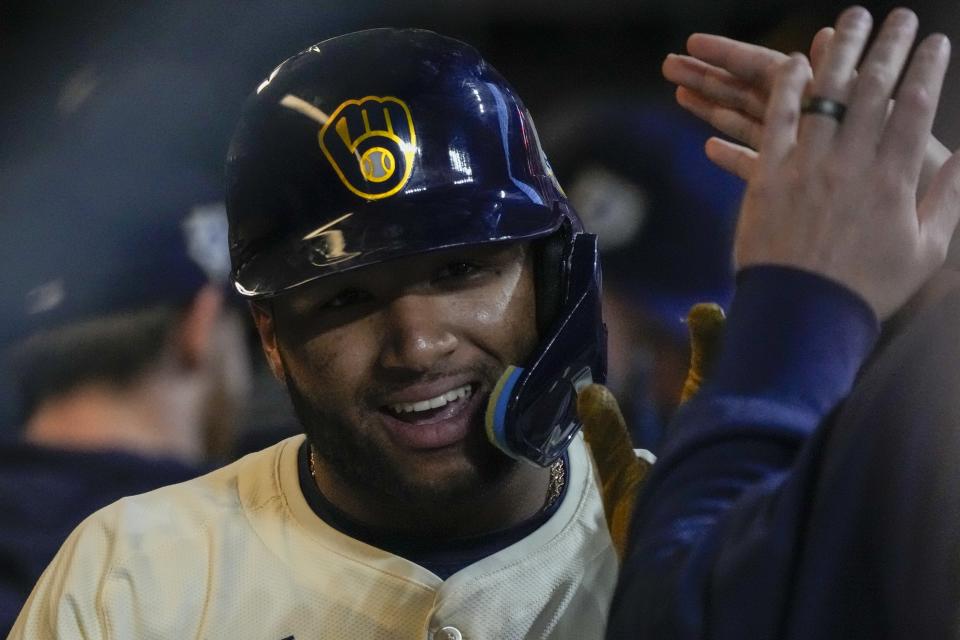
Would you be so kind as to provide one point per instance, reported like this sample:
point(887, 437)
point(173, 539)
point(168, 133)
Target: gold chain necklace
point(558, 477)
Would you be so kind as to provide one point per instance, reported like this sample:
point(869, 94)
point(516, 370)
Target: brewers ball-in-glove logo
point(371, 143)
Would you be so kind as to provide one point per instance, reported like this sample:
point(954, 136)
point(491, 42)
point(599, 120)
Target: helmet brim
point(380, 232)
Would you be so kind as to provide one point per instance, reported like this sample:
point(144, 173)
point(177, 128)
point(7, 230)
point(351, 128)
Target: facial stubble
point(356, 458)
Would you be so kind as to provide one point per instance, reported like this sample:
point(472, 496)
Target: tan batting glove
point(621, 472)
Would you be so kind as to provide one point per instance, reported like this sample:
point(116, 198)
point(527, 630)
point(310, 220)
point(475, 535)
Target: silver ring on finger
point(823, 106)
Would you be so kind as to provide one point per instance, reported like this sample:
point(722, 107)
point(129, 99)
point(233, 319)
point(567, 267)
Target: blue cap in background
point(83, 246)
point(665, 216)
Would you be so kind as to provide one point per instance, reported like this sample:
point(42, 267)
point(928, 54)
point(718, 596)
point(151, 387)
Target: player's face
point(390, 367)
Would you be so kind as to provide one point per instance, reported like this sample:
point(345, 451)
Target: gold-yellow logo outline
point(408, 147)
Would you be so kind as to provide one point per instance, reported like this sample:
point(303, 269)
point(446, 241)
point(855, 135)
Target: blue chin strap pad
point(495, 418)
point(532, 412)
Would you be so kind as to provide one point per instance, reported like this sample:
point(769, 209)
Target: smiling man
point(389, 371)
point(431, 302)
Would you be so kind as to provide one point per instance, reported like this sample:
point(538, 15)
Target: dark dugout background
point(203, 56)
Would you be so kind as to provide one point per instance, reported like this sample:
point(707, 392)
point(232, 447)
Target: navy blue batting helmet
point(386, 143)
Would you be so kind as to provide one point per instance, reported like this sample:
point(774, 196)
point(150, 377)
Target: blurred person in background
point(127, 363)
point(664, 216)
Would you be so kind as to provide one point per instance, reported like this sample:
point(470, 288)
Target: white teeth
point(459, 393)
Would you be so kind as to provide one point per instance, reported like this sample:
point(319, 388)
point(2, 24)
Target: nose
point(417, 334)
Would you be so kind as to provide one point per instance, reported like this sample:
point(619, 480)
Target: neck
point(516, 497)
point(146, 420)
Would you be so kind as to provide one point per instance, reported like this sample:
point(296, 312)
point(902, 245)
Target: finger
point(714, 84)
point(876, 78)
point(705, 322)
point(819, 45)
point(840, 55)
point(731, 157)
point(831, 78)
point(940, 210)
point(783, 111)
point(752, 63)
point(620, 471)
point(905, 140)
point(606, 431)
point(729, 121)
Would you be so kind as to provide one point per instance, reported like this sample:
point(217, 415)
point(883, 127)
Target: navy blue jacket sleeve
point(712, 540)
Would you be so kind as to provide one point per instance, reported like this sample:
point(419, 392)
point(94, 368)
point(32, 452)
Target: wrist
point(794, 336)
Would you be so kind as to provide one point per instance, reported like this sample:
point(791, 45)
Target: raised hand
point(836, 196)
point(727, 83)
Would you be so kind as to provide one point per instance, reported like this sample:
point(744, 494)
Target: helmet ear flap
point(531, 412)
point(549, 255)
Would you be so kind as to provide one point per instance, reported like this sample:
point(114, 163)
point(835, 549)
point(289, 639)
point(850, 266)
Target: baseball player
point(762, 519)
point(431, 302)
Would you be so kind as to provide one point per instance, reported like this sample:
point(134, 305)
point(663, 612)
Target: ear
point(195, 335)
point(266, 328)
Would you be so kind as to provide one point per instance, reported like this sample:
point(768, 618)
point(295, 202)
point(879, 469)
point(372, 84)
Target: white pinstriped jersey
point(239, 554)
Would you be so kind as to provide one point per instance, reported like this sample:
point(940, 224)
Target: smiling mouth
point(433, 409)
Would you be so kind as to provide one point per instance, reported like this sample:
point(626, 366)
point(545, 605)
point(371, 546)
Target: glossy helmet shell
point(387, 143)
point(376, 145)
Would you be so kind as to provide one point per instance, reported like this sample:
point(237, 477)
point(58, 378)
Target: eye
point(346, 298)
point(459, 271)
